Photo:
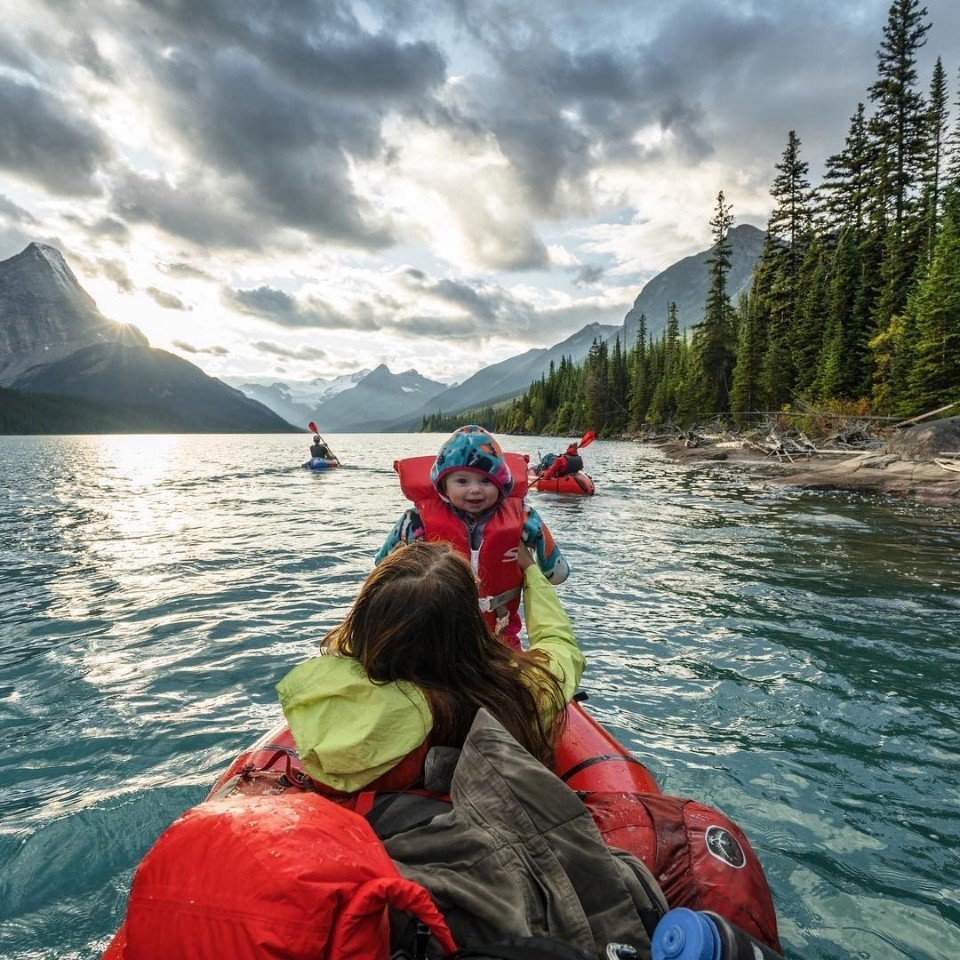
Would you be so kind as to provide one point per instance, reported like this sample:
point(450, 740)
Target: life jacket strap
point(494, 603)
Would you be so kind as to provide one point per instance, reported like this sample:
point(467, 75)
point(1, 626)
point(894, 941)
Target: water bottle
point(684, 934)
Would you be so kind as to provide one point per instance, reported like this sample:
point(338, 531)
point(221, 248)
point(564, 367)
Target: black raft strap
point(591, 761)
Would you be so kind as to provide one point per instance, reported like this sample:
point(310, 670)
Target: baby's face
point(469, 491)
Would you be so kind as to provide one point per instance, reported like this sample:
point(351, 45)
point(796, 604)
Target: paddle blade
point(312, 427)
point(587, 439)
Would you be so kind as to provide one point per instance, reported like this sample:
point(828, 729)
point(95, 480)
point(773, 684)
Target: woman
point(414, 661)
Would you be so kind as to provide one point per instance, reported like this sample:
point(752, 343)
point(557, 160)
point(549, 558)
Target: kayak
point(575, 484)
point(318, 463)
point(699, 857)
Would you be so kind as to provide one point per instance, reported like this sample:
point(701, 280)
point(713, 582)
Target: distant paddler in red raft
point(321, 456)
point(564, 473)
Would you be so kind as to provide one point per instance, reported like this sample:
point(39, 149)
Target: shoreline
point(888, 470)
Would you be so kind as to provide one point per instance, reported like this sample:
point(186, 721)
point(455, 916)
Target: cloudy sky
point(301, 188)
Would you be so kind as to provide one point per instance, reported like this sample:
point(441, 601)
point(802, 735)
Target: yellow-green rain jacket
point(349, 730)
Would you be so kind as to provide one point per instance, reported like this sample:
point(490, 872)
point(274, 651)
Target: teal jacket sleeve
point(549, 558)
point(549, 630)
point(408, 527)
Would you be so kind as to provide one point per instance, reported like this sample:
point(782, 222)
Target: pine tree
point(639, 376)
point(952, 178)
point(789, 232)
point(744, 388)
point(898, 124)
point(936, 122)
point(713, 353)
point(617, 383)
point(597, 405)
point(843, 371)
point(843, 197)
point(934, 312)
point(811, 316)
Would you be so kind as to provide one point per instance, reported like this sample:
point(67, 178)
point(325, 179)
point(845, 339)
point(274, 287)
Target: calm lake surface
point(790, 658)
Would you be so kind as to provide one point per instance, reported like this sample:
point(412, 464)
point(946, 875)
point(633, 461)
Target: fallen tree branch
point(923, 416)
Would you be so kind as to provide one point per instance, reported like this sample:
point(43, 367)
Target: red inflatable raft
point(575, 484)
point(700, 858)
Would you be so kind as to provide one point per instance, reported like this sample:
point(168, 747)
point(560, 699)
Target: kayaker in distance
point(320, 450)
point(567, 463)
point(473, 501)
point(414, 661)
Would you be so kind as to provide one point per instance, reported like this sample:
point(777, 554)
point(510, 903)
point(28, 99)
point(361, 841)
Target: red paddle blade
point(312, 427)
point(587, 439)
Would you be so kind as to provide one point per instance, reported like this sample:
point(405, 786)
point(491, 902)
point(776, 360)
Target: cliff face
point(45, 315)
point(687, 283)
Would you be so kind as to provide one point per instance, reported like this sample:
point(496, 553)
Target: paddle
point(313, 429)
point(584, 441)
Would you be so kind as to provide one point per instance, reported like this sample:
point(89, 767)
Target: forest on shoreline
point(854, 308)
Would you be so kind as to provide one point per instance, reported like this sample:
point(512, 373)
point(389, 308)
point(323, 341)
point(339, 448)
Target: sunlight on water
point(789, 658)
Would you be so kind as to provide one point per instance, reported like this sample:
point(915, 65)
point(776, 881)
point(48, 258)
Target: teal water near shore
point(790, 658)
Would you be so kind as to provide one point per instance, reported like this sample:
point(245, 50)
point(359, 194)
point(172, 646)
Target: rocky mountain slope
point(377, 400)
point(687, 283)
point(54, 340)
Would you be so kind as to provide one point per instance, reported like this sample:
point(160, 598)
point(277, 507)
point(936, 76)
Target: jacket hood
point(472, 448)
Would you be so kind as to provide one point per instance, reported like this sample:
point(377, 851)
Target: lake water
point(790, 658)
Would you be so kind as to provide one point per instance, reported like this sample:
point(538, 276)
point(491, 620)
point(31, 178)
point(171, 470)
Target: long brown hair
point(417, 619)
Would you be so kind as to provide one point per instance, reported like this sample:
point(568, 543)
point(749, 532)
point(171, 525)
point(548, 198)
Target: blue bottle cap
point(683, 934)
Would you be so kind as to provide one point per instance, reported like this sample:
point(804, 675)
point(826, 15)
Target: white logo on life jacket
point(511, 556)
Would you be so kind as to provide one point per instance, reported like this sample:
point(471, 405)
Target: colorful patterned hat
point(472, 448)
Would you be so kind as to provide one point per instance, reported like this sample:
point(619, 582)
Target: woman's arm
point(549, 628)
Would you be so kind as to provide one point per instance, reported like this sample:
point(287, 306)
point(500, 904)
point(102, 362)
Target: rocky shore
point(920, 462)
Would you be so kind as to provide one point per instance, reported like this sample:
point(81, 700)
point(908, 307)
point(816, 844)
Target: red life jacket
point(293, 876)
point(495, 563)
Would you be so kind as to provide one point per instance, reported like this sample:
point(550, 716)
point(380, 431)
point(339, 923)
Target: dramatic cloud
point(311, 312)
point(117, 272)
point(43, 141)
point(168, 301)
point(190, 348)
point(588, 276)
point(300, 353)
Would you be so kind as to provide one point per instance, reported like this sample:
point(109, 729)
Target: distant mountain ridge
point(506, 379)
point(687, 283)
point(377, 400)
point(297, 401)
point(54, 340)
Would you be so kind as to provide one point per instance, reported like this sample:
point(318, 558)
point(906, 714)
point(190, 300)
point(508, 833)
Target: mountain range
point(352, 403)
point(55, 341)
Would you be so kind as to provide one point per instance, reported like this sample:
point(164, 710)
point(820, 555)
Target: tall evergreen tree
point(744, 387)
point(639, 376)
point(937, 122)
point(952, 179)
point(713, 348)
point(934, 312)
point(843, 196)
point(898, 124)
point(789, 232)
point(843, 370)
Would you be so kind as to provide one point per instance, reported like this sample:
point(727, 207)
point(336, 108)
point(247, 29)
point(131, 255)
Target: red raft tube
point(573, 484)
point(700, 858)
